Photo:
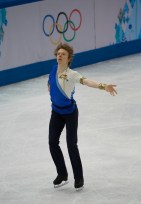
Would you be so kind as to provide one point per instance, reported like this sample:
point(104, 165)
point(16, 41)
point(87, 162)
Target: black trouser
point(57, 123)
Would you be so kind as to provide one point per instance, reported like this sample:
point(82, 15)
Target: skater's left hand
point(110, 88)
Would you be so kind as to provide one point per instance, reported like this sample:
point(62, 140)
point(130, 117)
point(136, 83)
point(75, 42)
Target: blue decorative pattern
point(128, 27)
point(3, 21)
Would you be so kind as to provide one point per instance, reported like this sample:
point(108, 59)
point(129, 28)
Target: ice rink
point(109, 139)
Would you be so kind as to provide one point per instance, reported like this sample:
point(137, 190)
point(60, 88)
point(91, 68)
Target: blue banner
point(8, 3)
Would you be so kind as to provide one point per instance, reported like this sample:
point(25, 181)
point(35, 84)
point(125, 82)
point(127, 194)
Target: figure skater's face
point(63, 57)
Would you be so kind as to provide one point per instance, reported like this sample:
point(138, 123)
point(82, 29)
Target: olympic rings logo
point(59, 28)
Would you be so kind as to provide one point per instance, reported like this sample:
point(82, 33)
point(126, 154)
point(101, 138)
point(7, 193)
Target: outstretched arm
point(107, 87)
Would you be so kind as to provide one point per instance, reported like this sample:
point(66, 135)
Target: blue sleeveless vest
point(60, 101)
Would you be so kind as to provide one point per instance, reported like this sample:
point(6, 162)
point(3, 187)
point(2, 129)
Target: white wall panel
point(21, 45)
point(24, 41)
point(106, 13)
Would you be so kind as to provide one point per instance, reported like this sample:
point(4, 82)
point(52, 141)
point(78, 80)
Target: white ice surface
point(109, 139)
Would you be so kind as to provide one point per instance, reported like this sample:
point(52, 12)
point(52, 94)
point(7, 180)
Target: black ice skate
point(79, 185)
point(60, 181)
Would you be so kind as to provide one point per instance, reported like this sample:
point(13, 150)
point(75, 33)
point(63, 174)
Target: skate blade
point(79, 189)
point(62, 184)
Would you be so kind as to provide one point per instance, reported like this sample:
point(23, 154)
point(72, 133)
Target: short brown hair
point(66, 47)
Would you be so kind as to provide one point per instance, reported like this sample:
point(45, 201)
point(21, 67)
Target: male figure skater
point(61, 86)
